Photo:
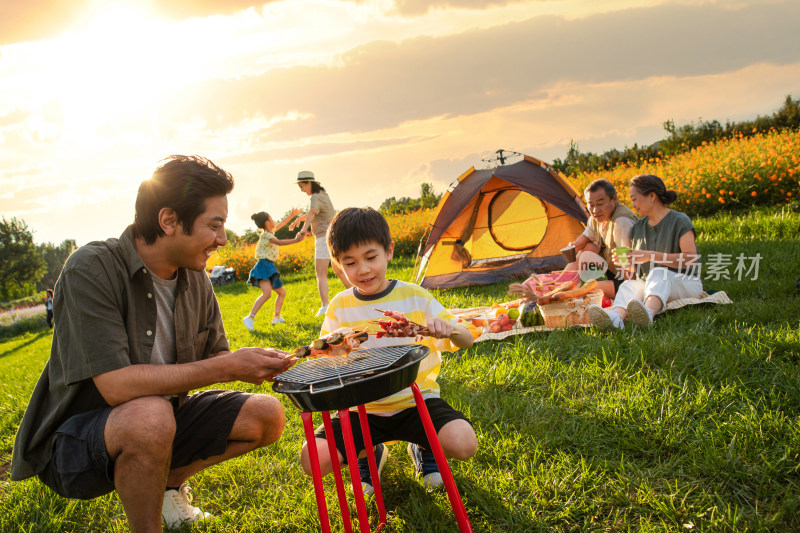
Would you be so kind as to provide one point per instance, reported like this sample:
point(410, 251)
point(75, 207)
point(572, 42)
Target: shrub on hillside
point(408, 229)
point(740, 172)
point(241, 257)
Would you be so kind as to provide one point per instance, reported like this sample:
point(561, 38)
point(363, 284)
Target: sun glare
point(114, 65)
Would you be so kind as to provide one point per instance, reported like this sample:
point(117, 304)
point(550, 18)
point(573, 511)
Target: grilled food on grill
point(340, 342)
point(399, 326)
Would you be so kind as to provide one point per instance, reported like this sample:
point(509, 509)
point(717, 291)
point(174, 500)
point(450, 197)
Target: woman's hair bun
point(668, 197)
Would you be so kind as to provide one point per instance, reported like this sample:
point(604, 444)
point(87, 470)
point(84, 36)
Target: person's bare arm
point(581, 242)
point(293, 213)
point(442, 329)
point(282, 242)
point(309, 219)
point(296, 222)
point(251, 365)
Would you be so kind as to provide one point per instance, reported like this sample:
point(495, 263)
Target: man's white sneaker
point(177, 508)
point(322, 310)
point(639, 314)
point(249, 323)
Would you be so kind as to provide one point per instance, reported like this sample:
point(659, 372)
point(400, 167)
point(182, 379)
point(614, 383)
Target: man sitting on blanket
point(609, 226)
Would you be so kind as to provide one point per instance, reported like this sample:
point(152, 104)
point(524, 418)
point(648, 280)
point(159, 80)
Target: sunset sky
point(374, 96)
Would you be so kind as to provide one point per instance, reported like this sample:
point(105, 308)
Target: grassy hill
point(689, 426)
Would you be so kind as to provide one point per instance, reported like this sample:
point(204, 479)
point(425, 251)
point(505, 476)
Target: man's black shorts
point(81, 467)
point(405, 425)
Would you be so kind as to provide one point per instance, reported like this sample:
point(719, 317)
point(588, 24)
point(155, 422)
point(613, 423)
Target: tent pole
point(419, 249)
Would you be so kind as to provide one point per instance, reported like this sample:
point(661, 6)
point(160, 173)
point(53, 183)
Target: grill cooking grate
point(358, 362)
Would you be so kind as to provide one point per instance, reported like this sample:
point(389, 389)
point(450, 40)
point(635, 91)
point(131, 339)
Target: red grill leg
point(313, 459)
point(373, 467)
point(352, 463)
point(441, 461)
point(460, 512)
point(337, 473)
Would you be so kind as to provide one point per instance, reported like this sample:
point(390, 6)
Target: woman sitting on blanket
point(662, 264)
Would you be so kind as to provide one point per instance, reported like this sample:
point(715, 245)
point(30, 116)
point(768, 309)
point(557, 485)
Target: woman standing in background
point(316, 221)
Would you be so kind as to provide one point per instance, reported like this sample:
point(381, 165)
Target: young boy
point(360, 242)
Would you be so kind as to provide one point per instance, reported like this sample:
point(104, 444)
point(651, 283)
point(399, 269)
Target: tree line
point(27, 268)
point(681, 139)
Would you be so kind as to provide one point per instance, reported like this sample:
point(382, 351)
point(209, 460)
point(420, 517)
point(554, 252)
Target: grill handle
point(326, 389)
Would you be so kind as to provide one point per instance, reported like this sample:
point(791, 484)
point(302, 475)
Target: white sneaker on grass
point(249, 322)
point(278, 320)
point(177, 508)
point(603, 319)
point(639, 314)
point(322, 310)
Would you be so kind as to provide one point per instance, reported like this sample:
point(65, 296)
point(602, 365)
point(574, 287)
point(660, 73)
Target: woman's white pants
point(661, 282)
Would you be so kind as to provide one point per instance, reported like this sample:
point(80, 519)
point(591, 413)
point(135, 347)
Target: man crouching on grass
point(137, 327)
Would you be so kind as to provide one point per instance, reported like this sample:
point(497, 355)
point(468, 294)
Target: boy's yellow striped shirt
point(418, 305)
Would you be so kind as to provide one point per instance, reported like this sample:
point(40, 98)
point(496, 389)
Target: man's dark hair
point(357, 225)
point(181, 183)
point(606, 185)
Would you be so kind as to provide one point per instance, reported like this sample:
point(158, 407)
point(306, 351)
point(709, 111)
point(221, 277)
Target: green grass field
point(691, 425)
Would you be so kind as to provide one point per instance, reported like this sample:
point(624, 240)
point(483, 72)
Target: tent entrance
point(510, 223)
point(511, 207)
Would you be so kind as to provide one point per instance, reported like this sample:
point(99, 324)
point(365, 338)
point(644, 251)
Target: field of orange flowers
point(407, 230)
point(733, 173)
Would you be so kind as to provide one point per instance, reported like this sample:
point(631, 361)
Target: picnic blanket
point(715, 298)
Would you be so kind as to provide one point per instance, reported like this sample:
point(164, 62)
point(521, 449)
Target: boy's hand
point(442, 329)
point(439, 329)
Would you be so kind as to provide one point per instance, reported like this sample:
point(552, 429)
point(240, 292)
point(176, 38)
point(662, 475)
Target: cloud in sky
point(383, 84)
point(378, 100)
point(31, 20)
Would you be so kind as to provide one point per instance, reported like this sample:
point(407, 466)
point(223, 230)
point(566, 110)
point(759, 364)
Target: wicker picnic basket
point(572, 312)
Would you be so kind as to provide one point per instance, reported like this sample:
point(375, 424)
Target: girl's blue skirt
point(265, 269)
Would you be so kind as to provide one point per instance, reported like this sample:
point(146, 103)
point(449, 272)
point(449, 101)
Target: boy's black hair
point(354, 226)
point(183, 184)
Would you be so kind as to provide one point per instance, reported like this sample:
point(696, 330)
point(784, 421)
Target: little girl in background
point(265, 274)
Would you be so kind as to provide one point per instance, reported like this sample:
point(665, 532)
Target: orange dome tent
point(501, 223)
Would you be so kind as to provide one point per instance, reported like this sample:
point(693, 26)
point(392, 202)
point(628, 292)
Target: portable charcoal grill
point(340, 383)
point(363, 376)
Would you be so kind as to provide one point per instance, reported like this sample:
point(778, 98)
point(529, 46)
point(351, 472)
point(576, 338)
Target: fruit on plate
point(502, 323)
point(513, 313)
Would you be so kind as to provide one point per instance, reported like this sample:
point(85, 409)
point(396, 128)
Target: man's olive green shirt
point(105, 319)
